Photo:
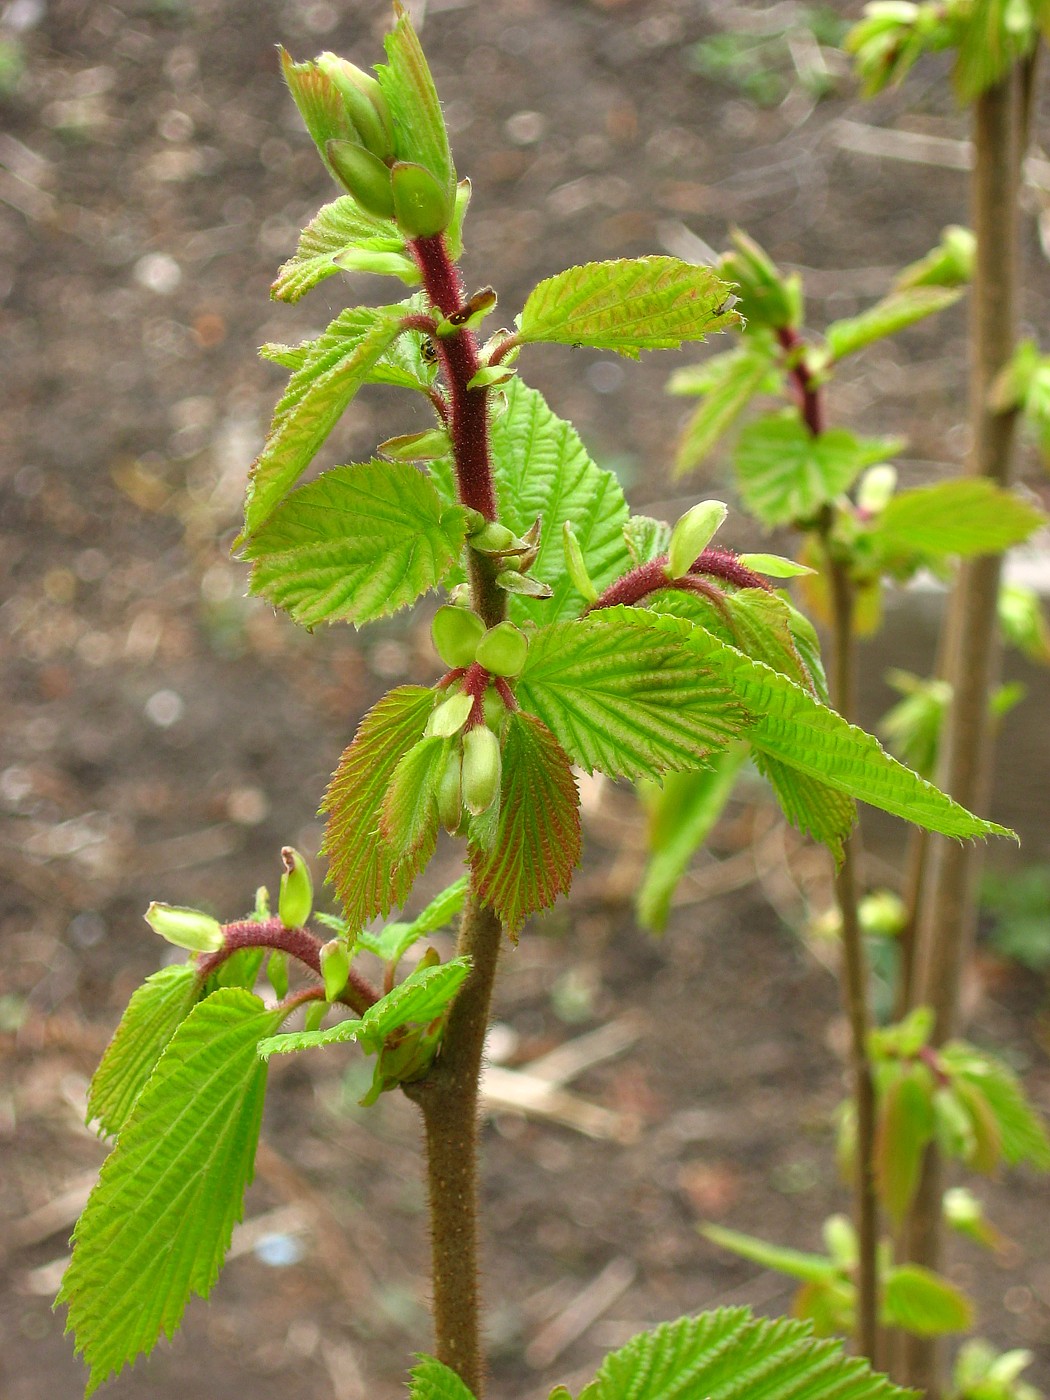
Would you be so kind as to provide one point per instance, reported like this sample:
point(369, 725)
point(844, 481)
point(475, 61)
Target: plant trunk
point(855, 994)
point(947, 911)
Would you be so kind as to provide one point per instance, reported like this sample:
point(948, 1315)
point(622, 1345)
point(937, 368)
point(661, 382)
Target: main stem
point(947, 911)
point(448, 1096)
point(855, 989)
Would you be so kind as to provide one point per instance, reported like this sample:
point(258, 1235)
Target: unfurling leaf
point(964, 517)
point(628, 306)
point(924, 1303)
point(727, 384)
point(334, 237)
point(157, 1225)
point(895, 313)
point(537, 842)
point(904, 1128)
point(364, 869)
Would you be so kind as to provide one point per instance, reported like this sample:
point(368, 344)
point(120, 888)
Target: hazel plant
point(570, 640)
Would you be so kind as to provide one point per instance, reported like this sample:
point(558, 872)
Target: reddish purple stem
point(807, 392)
point(651, 578)
point(299, 943)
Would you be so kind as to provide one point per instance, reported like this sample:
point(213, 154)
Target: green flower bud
point(296, 899)
point(277, 973)
point(422, 206)
point(449, 717)
point(882, 913)
point(876, 487)
point(335, 967)
point(503, 650)
point(186, 928)
point(493, 538)
point(262, 904)
point(575, 565)
point(482, 767)
point(450, 792)
point(692, 534)
point(365, 103)
point(456, 633)
point(362, 175)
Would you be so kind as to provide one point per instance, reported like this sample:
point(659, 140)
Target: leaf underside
point(361, 865)
point(537, 843)
point(159, 1222)
point(965, 517)
point(334, 229)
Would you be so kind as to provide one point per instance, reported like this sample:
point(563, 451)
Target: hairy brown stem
point(947, 911)
point(448, 1095)
point(299, 943)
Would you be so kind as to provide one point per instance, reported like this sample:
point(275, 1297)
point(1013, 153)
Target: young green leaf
point(630, 305)
point(421, 997)
point(158, 1224)
point(391, 942)
point(786, 474)
point(646, 538)
point(1023, 1133)
point(621, 698)
point(923, 1303)
point(409, 818)
point(407, 85)
point(729, 1355)
point(433, 1381)
point(730, 383)
point(316, 396)
point(320, 104)
point(788, 724)
point(810, 1268)
point(537, 843)
point(965, 517)
point(990, 39)
point(362, 867)
point(358, 543)
point(904, 1127)
point(339, 229)
point(682, 813)
point(887, 317)
point(153, 1014)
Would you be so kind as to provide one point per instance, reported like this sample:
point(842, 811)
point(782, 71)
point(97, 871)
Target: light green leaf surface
point(796, 1263)
point(316, 396)
point(154, 1012)
point(537, 842)
point(391, 942)
point(904, 1128)
point(433, 1381)
point(790, 725)
point(415, 109)
point(622, 699)
point(334, 229)
point(924, 1303)
point(894, 313)
point(1022, 1130)
point(358, 543)
point(965, 517)
point(629, 305)
point(361, 866)
point(158, 1224)
point(420, 998)
point(409, 817)
point(646, 538)
point(730, 1355)
point(682, 813)
point(733, 381)
point(786, 474)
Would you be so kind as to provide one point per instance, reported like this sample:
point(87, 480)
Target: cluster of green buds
point(382, 138)
point(514, 554)
point(472, 770)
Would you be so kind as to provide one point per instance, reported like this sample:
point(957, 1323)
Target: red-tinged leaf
point(362, 866)
point(987, 1149)
point(904, 1128)
point(537, 841)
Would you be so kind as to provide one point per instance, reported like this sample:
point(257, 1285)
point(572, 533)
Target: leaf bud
point(523, 584)
point(422, 206)
point(482, 766)
point(877, 486)
point(365, 104)
point(362, 175)
point(692, 534)
point(456, 633)
point(262, 904)
point(503, 650)
point(186, 928)
point(277, 973)
point(431, 958)
point(296, 899)
point(450, 791)
point(575, 565)
point(494, 708)
point(493, 538)
point(335, 967)
point(315, 1014)
point(449, 717)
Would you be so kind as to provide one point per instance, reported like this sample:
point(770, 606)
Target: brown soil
point(164, 736)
